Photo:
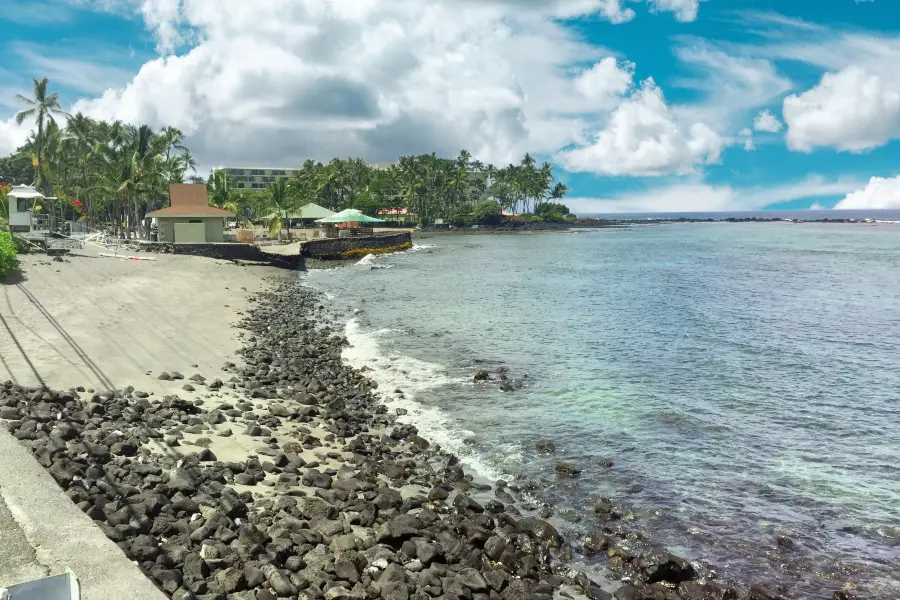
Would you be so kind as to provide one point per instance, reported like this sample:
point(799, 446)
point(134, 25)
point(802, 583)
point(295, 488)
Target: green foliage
point(487, 213)
point(20, 244)
point(283, 203)
point(366, 203)
point(428, 186)
point(9, 262)
point(220, 188)
point(120, 172)
point(553, 212)
point(16, 169)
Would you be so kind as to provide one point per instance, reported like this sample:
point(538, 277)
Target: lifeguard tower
point(35, 227)
point(22, 218)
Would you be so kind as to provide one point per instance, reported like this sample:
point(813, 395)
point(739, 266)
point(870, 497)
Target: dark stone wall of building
point(336, 248)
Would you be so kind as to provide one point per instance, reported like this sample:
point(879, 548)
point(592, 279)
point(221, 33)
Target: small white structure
point(21, 218)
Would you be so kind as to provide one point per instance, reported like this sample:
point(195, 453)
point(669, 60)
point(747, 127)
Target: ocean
point(743, 379)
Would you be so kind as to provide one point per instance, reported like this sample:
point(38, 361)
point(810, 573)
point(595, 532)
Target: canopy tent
point(309, 212)
point(351, 215)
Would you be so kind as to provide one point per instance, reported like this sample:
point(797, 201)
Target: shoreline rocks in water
point(335, 500)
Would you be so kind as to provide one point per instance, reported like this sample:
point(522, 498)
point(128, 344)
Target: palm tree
point(44, 106)
point(80, 132)
point(220, 187)
point(122, 171)
point(558, 191)
point(281, 202)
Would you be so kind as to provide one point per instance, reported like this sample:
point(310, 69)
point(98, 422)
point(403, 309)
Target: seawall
point(226, 251)
point(356, 247)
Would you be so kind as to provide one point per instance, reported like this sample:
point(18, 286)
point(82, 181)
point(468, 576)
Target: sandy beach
point(105, 323)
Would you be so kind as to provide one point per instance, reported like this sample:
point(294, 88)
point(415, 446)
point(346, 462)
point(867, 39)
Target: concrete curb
point(63, 536)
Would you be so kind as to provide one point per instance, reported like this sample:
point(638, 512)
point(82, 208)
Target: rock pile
point(337, 501)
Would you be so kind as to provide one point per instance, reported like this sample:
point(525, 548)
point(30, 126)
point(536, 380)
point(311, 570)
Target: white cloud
point(766, 121)
point(644, 138)
point(879, 193)
point(12, 136)
point(816, 206)
point(685, 10)
point(856, 105)
point(605, 82)
point(732, 87)
point(747, 135)
point(275, 83)
point(701, 197)
point(851, 110)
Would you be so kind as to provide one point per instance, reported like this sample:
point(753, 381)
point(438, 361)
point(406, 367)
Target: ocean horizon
point(803, 215)
point(729, 389)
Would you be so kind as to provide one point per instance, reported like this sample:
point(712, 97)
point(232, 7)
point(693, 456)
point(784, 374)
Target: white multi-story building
point(255, 179)
point(247, 178)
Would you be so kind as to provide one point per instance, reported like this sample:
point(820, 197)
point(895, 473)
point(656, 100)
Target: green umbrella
point(351, 215)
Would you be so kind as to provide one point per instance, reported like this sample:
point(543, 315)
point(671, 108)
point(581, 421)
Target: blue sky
point(252, 84)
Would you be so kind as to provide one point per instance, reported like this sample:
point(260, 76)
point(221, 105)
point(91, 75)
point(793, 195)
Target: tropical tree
point(111, 174)
point(283, 205)
point(43, 107)
point(220, 188)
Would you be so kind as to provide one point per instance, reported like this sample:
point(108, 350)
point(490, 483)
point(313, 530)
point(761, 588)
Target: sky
point(641, 105)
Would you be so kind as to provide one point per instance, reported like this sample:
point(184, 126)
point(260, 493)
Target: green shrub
point(9, 262)
point(488, 213)
point(20, 244)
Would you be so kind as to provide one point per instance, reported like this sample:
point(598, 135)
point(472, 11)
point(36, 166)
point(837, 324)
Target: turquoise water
point(744, 379)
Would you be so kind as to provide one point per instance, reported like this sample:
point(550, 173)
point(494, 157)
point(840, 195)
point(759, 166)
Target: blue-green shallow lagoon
point(744, 379)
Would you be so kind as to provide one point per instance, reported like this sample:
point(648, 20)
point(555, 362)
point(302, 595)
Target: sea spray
point(412, 376)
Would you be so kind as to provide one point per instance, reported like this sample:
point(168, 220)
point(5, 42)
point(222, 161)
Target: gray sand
point(104, 322)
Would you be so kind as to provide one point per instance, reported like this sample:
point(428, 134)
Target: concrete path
point(18, 560)
point(42, 532)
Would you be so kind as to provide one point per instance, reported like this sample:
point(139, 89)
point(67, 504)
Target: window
point(22, 205)
point(257, 172)
point(235, 171)
point(277, 172)
point(240, 184)
point(195, 220)
point(256, 186)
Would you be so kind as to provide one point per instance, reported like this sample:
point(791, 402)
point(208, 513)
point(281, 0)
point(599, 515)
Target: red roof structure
point(189, 200)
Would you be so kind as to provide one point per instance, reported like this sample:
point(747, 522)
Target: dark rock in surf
point(545, 447)
point(567, 468)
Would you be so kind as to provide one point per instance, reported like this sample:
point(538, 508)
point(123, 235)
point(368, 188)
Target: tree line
point(111, 174)
point(107, 174)
point(452, 189)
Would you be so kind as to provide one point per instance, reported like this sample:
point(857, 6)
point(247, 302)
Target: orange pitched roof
point(189, 199)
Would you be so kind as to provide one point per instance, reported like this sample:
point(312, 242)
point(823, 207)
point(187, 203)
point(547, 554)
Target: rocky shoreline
point(288, 478)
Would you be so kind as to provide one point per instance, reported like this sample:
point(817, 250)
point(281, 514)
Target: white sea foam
point(420, 247)
point(414, 377)
point(368, 261)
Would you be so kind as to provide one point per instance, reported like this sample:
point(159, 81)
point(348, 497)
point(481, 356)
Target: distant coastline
point(871, 217)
